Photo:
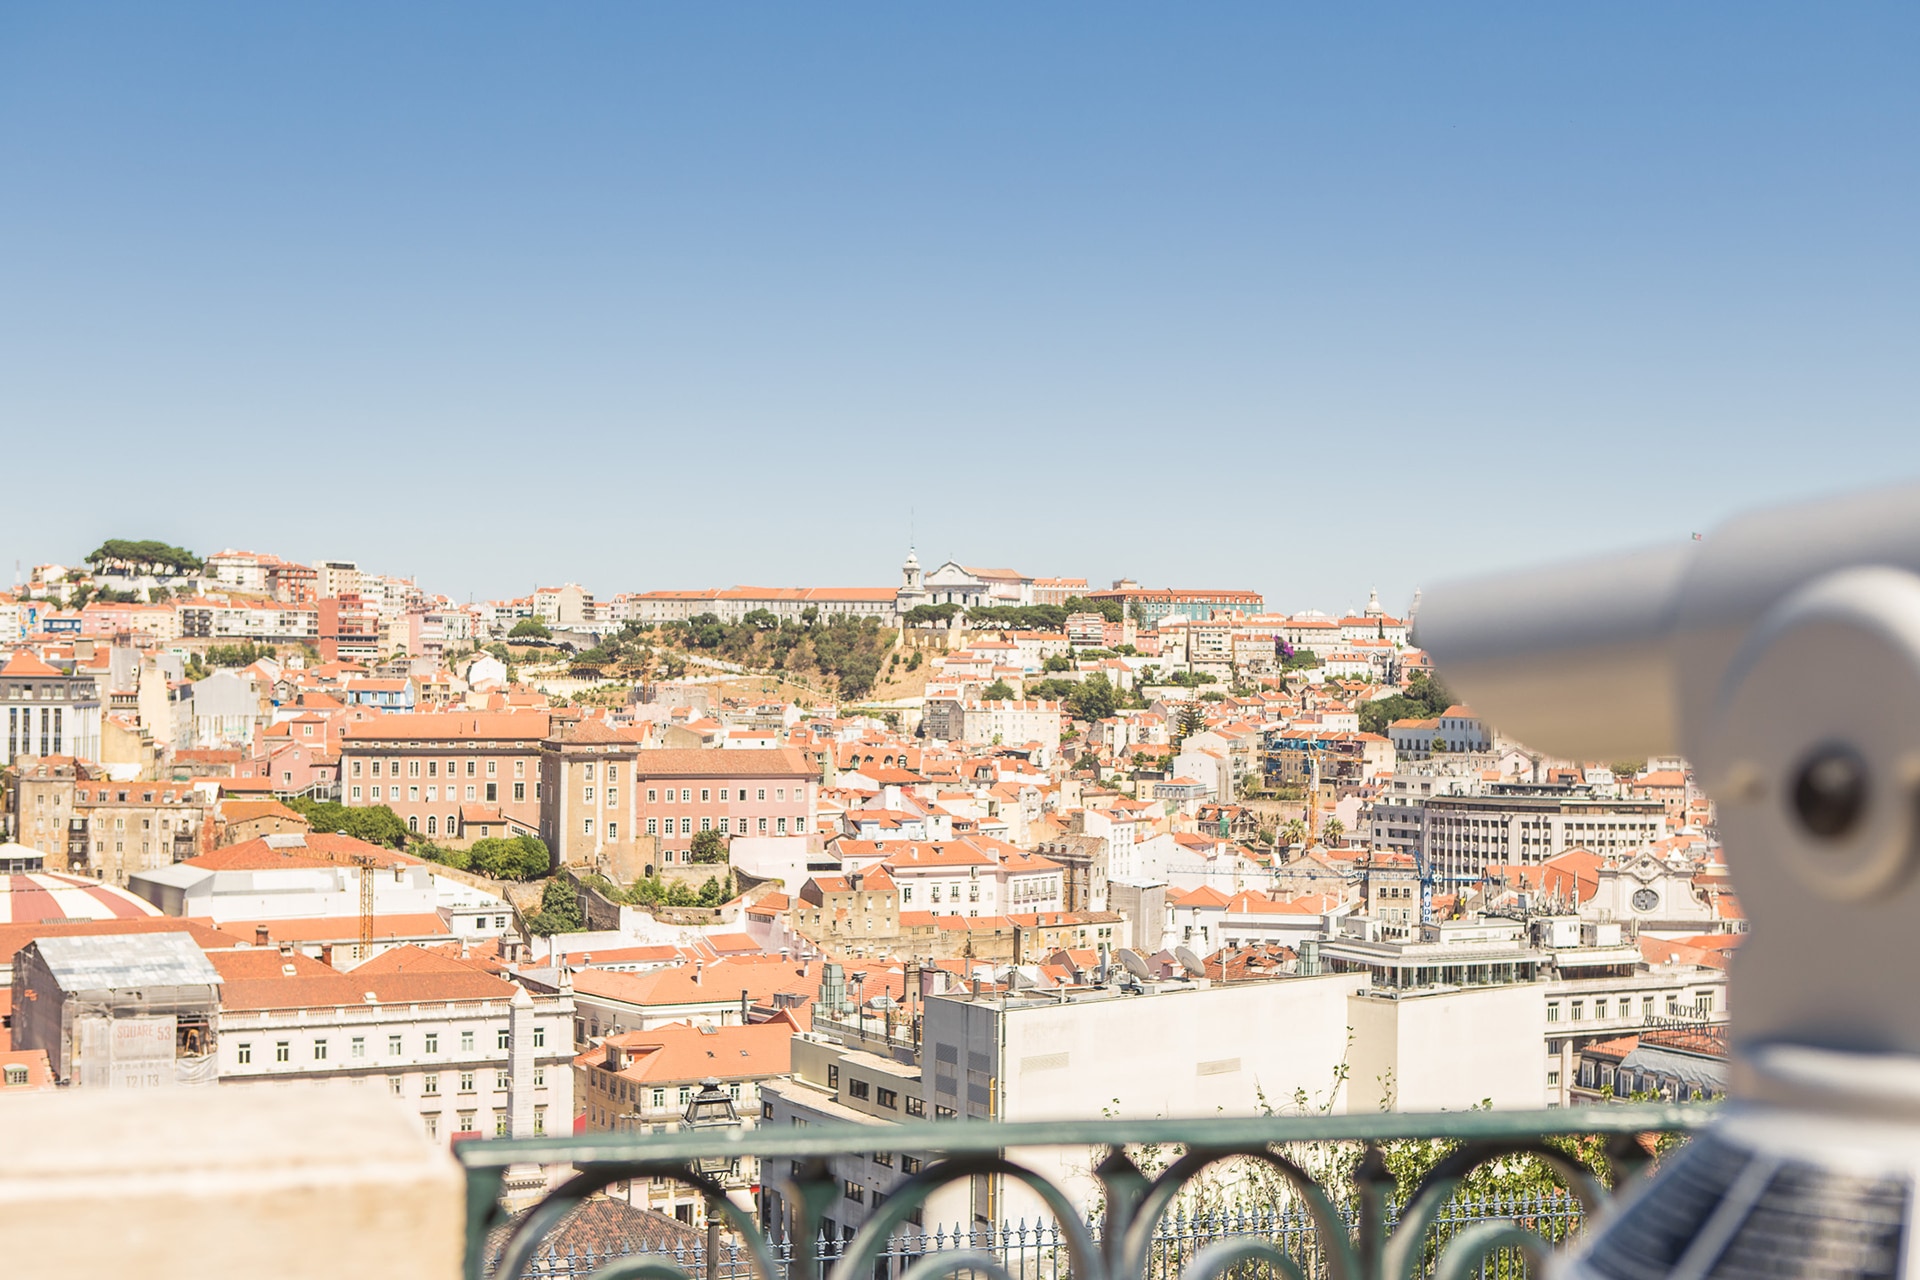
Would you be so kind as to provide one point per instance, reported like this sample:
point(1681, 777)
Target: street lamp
point(710, 1111)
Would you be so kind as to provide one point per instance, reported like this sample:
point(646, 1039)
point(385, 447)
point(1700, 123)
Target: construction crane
point(366, 864)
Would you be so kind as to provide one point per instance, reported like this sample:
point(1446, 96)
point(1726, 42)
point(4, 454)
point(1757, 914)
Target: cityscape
point(857, 642)
point(557, 864)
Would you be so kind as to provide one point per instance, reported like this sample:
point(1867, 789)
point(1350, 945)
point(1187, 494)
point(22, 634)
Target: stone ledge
point(235, 1181)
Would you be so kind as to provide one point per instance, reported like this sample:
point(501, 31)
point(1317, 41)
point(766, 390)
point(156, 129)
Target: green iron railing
point(1365, 1233)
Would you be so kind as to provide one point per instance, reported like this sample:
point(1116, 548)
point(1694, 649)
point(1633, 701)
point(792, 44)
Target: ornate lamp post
point(710, 1110)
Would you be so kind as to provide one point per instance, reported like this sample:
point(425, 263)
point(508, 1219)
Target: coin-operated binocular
point(1781, 655)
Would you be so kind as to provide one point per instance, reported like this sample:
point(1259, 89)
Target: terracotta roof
point(461, 726)
point(722, 762)
point(266, 853)
point(24, 663)
point(257, 979)
point(680, 1053)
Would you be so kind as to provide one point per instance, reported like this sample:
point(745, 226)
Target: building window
point(319, 1050)
point(884, 1159)
point(356, 793)
point(539, 1077)
point(245, 1054)
point(539, 1122)
point(686, 826)
point(613, 831)
point(282, 1051)
point(858, 1089)
point(588, 794)
point(686, 1095)
point(889, 1098)
point(466, 1042)
point(706, 795)
point(433, 1126)
point(433, 1042)
point(909, 1164)
point(430, 1082)
point(653, 826)
point(395, 1084)
point(855, 1192)
point(359, 1046)
point(503, 1038)
point(1553, 1011)
point(393, 1046)
point(659, 1098)
point(586, 826)
point(653, 796)
point(833, 1077)
point(686, 795)
point(499, 1124)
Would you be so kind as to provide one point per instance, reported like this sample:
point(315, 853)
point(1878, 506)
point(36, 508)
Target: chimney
point(260, 937)
point(746, 1006)
point(326, 954)
point(699, 967)
point(286, 948)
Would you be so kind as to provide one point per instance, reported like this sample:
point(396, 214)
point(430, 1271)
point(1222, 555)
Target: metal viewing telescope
point(1781, 655)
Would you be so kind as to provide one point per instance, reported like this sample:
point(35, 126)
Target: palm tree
point(1335, 829)
point(1293, 832)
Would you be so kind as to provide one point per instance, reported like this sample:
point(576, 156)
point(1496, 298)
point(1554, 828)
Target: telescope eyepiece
point(1830, 792)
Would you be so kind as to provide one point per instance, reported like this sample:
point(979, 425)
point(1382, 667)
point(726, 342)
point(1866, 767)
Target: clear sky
point(1302, 298)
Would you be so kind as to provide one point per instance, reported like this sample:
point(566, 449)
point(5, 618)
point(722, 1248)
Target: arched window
point(452, 826)
point(433, 825)
point(413, 822)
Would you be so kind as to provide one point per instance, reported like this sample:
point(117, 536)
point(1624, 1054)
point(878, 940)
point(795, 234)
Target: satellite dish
point(1192, 963)
point(1130, 961)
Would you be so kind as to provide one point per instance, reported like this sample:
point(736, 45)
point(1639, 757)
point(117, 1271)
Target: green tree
point(708, 846)
point(1058, 662)
point(1108, 609)
point(532, 627)
point(521, 857)
point(1334, 830)
point(559, 910)
point(375, 824)
point(1092, 698)
point(999, 690)
point(144, 556)
point(931, 615)
point(1293, 831)
point(1439, 745)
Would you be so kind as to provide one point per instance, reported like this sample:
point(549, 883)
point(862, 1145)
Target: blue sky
point(1300, 298)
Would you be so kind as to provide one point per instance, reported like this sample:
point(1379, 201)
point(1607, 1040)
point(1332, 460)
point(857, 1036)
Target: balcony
point(317, 1181)
point(1317, 1197)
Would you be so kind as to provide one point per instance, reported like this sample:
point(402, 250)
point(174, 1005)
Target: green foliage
point(1093, 698)
point(848, 649)
point(500, 651)
point(1293, 831)
point(1628, 768)
point(1424, 699)
point(146, 556)
point(530, 627)
point(1334, 830)
point(458, 859)
point(1213, 695)
point(652, 892)
point(708, 846)
point(913, 663)
point(1300, 660)
point(376, 824)
point(1108, 609)
point(559, 910)
point(931, 615)
point(521, 857)
point(999, 690)
point(1191, 679)
point(1439, 745)
point(244, 654)
point(1019, 617)
point(1058, 662)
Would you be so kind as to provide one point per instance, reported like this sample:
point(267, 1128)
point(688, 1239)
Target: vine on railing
point(1373, 1229)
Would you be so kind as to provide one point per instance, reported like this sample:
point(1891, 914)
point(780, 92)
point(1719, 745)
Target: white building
point(470, 1053)
point(48, 711)
point(1077, 1054)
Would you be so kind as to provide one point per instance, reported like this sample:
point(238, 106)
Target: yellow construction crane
point(366, 865)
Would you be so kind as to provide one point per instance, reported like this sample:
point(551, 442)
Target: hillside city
point(975, 844)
